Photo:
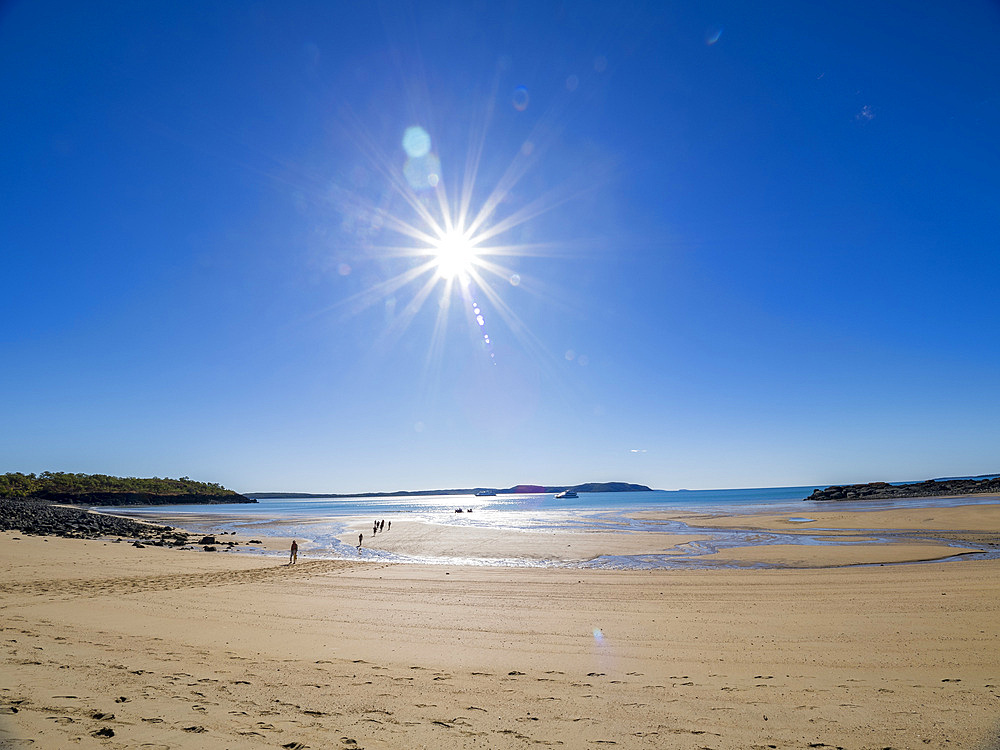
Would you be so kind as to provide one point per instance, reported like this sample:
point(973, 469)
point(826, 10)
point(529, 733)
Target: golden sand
point(173, 649)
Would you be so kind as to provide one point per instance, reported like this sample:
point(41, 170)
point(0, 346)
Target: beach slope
point(107, 645)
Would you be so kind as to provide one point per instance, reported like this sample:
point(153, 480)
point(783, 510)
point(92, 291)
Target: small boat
point(567, 493)
point(486, 493)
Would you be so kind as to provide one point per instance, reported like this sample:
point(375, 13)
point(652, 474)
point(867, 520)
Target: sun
point(454, 254)
point(451, 248)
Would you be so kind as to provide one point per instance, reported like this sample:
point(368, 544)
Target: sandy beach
point(108, 645)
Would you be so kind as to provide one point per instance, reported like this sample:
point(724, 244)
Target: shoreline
point(188, 650)
point(637, 539)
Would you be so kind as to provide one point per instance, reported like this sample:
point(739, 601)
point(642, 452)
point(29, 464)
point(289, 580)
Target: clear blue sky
point(725, 244)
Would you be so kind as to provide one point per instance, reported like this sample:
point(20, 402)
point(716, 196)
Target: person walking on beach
point(294, 554)
point(360, 539)
point(389, 527)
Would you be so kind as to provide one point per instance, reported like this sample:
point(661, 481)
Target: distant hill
point(101, 489)
point(517, 489)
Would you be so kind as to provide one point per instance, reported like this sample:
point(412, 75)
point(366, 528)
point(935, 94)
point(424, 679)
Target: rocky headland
point(101, 489)
point(141, 498)
point(41, 505)
point(929, 488)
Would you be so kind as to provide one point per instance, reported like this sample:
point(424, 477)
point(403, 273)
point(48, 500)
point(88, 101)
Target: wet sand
point(427, 540)
point(188, 649)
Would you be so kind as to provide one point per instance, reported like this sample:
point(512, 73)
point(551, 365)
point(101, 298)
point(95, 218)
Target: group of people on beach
point(376, 528)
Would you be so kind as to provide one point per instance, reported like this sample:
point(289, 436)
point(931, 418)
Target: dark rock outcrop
point(42, 518)
point(930, 488)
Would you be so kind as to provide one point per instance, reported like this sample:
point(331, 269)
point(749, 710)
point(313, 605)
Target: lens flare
point(422, 172)
point(416, 142)
point(520, 99)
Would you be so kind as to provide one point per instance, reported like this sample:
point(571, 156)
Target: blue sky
point(724, 244)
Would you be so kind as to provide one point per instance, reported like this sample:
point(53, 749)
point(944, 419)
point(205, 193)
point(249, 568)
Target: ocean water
point(321, 521)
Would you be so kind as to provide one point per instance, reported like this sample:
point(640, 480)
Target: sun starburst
point(438, 246)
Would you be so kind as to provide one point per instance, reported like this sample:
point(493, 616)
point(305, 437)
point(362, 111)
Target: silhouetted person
point(381, 525)
point(294, 554)
point(389, 527)
point(360, 539)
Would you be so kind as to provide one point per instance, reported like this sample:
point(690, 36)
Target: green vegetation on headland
point(101, 489)
point(929, 488)
point(518, 489)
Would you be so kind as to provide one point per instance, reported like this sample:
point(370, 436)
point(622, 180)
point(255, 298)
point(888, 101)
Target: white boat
point(567, 493)
point(486, 493)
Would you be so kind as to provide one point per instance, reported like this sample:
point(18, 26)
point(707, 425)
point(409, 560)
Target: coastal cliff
point(929, 488)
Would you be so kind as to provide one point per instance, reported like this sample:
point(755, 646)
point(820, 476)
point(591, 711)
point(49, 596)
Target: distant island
point(518, 489)
point(929, 488)
point(101, 489)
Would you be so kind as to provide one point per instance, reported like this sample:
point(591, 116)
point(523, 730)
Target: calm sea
point(323, 521)
point(319, 508)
